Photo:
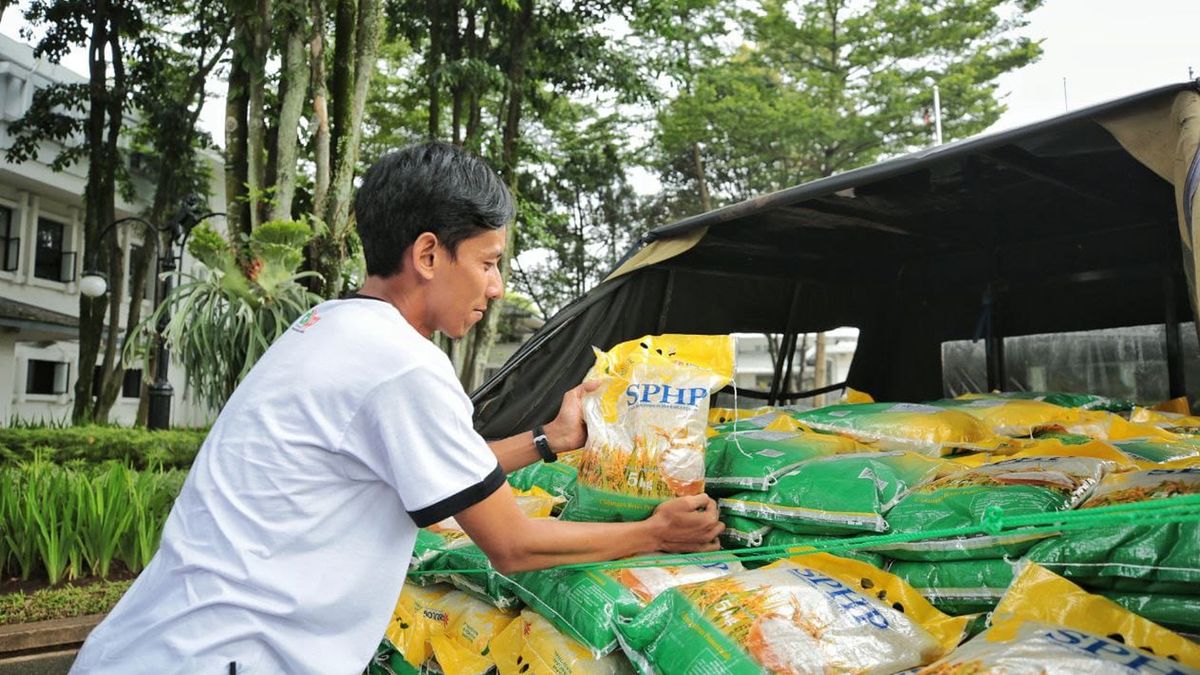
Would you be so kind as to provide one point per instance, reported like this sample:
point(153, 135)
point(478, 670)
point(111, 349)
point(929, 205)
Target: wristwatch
point(543, 445)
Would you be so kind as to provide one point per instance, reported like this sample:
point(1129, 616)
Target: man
point(287, 547)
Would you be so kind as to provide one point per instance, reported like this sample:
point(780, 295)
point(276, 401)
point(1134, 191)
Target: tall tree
point(823, 86)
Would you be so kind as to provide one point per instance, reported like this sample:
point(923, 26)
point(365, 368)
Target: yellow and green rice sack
point(1060, 398)
point(912, 427)
point(1012, 417)
point(586, 604)
point(803, 543)
point(837, 494)
point(809, 614)
point(1168, 421)
point(647, 424)
point(1019, 486)
point(531, 645)
point(754, 460)
point(1153, 558)
point(958, 586)
point(1045, 624)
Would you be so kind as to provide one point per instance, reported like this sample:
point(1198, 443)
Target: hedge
point(134, 447)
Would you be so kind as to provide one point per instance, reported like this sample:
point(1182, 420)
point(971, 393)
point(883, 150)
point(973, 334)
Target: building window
point(50, 260)
point(10, 244)
point(131, 385)
point(47, 377)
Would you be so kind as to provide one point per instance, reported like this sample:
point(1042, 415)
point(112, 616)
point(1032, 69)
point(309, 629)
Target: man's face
point(467, 282)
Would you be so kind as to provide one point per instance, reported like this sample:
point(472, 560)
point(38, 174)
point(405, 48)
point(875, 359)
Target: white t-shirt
point(287, 547)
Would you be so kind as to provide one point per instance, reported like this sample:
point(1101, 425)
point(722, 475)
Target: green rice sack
point(743, 532)
point(586, 604)
point(1025, 485)
point(785, 538)
point(1180, 613)
point(1064, 399)
point(754, 460)
point(809, 614)
point(912, 427)
point(488, 585)
point(1152, 558)
point(1160, 450)
point(755, 423)
point(958, 586)
point(838, 494)
point(557, 478)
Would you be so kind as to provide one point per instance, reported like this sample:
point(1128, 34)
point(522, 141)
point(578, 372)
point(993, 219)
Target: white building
point(754, 368)
point(41, 244)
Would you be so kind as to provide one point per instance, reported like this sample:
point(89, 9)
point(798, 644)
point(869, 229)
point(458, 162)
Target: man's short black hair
point(428, 187)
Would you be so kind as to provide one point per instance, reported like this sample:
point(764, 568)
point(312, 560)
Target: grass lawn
point(62, 602)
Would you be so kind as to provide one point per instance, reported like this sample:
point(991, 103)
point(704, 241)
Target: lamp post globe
point(93, 284)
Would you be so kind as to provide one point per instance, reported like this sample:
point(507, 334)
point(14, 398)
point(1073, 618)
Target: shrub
point(137, 448)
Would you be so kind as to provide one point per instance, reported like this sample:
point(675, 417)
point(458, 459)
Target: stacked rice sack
point(787, 481)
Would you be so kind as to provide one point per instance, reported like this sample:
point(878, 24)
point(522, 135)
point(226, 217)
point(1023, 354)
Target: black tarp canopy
point(1079, 222)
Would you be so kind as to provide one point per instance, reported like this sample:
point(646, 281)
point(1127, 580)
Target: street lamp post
point(93, 284)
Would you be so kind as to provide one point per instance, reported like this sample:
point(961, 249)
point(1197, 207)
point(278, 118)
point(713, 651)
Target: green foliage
point(61, 603)
point(823, 87)
point(223, 321)
point(59, 522)
point(135, 447)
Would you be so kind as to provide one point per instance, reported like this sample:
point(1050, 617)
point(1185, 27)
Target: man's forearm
point(518, 451)
point(546, 542)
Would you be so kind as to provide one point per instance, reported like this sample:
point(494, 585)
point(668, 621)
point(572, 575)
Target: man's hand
point(687, 524)
point(567, 431)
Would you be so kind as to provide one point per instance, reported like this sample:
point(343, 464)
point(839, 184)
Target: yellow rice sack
point(415, 619)
point(530, 645)
point(647, 424)
point(1013, 417)
point(463, 647)
point(1106, 426)
point(1046, 624)
point(815, 613)
point(909, 427)
point(1169, 421)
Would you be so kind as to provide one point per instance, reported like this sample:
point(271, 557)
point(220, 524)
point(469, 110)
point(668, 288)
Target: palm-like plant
point(223, 320)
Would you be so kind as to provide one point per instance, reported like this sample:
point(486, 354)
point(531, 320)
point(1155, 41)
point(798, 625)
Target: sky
point(1103, 49)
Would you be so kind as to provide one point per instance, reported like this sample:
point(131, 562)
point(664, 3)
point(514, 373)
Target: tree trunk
point(256, 130)
point(474, 107)
point(483, 335)
point(433, 65)
point(343, 73)
point(819, 374)
point(91, 310)
point(701, 182)
point(293, 80)
point(237, 207)
point(457, 90)
point(337, 210)
point(320, 108)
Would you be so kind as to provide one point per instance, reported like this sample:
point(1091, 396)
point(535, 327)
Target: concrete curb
point(43, 636)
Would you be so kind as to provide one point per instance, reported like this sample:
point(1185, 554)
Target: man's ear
point(424, 253)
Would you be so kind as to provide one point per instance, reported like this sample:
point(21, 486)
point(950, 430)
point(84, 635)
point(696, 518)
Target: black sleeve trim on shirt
point(460, 500)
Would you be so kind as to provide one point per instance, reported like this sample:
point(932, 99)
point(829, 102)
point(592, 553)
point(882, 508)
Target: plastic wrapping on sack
point(1160, 450)
point(1154, 558)
point(647, 424)
point(1106, 426)
point(586, 604)
point(743, 532)
point(718, 416)
point(1168, 421)
point(958, 586)
point(415, 619)
point(556, 478)
point(1180, 613)
point(1060, 398)
point(1012, 417)
point(1020, 486)
point(1046, 624)
point(838, 494)
point(754, 460)
point(924, 429)
point(532, 646)
point(770, 419)
point(802, 543)
point(810, 614)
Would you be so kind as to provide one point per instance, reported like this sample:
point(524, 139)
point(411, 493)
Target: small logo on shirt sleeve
point(306, 320)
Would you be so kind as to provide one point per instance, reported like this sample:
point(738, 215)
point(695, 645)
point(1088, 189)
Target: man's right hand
point(687, 524)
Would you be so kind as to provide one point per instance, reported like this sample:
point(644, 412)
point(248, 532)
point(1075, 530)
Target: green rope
point(1179, 509)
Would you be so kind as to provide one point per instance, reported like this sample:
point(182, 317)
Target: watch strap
point(543, 445)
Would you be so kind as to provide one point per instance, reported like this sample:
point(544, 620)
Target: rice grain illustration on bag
point(647, 424)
